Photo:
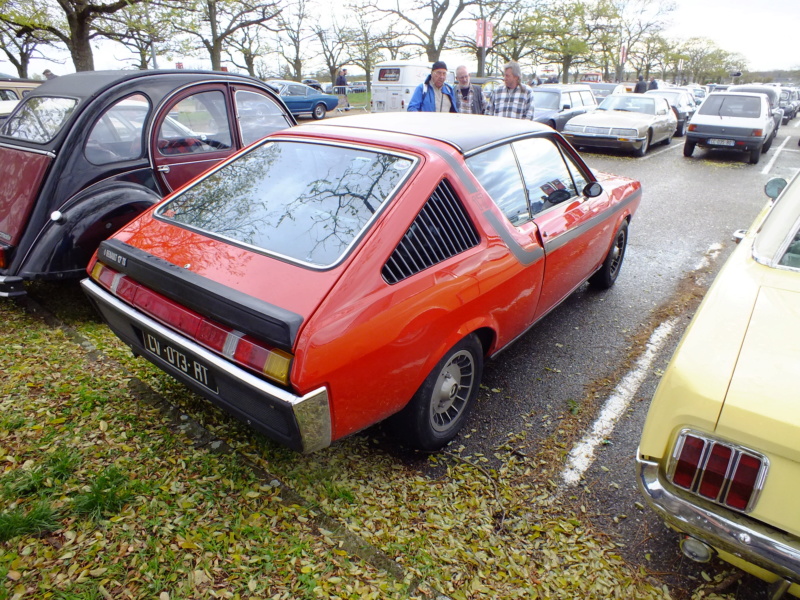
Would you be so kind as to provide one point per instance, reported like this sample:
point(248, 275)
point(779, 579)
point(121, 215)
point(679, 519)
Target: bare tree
point(75, 23)
point(636, 19)
point(20, 45)
point(214, 23)
point(250, 44)
point(292, 25)
point(334, 42)
point(145, 29)
point(365, 45)
point(429, 21)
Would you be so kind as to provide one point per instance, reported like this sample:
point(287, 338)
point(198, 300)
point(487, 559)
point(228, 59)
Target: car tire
point(319, 111)
point(605, 277)
point(681, 131)
point(755, 156)
point(438, 410)
point(667, 140)
point(645, 145)
point(767, 145)
point(688, 148)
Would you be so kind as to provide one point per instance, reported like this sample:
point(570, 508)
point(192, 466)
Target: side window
point(8, 95)
point(296, 90)
point(117, 134)
point(588, 98)
point(578, 177)
point(498, 173)
point(575, 99)
point(258, 116)
point(548, 181)
point(196, 124)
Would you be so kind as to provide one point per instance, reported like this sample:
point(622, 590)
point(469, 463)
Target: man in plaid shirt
point(514, 100)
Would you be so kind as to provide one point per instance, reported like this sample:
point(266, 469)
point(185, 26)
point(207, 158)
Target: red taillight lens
point(715, 471)
point(692, 127)
point(3, 259)
point(744, 482)
point(689, 461)
point(244, 350)
point(724, 473)
point(758, 132)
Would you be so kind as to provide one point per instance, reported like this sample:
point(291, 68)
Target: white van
point(394, 82)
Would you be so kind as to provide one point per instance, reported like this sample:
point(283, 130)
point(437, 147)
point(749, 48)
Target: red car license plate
point(184, 362)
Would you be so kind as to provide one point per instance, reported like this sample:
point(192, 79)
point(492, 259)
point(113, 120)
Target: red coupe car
point(339, 273)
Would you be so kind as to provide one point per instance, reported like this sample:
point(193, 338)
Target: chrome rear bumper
point(737, 534)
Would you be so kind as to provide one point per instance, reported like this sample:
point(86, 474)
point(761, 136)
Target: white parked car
point(735, 121)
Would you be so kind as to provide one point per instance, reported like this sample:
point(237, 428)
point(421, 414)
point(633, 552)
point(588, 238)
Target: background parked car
point(624, 121)
point(601, 90)
point(312, 83)
point(83, 154)
point(13, 88)
point(772, 93)
point(682, 104)
point(789, 102)
point(718, 458)
point(736, 121)
point(407, 249)
point(358, 87)
point(555, 104)
point(304, 100)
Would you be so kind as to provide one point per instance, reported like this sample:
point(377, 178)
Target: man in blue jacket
point(434, 95)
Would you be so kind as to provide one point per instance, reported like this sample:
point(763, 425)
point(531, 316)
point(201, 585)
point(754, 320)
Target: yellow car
point(719, 458)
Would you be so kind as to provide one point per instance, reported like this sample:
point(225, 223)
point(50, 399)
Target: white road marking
point(582, 455)
point(672, 146)
point(775, 155)
point(711, 254)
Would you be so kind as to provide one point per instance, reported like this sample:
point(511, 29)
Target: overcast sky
point(766, 32)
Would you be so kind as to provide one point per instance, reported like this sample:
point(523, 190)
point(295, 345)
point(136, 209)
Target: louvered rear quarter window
point(442, 229)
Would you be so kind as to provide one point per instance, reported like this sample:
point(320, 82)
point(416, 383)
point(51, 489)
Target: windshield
point(629, 103)
point(731, 106)
point(546, 100)
point(39, 119)
point(304, 201)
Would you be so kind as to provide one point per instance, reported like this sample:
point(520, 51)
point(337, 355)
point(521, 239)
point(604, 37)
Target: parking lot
point(511, 507)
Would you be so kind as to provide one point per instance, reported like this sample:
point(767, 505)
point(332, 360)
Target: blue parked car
point(301, 99)
point(555, 104)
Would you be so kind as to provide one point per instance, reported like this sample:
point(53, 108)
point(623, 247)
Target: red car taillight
point(692, 127)
point(758, 132)
point(241, 349)
point(719, 471)
point(3, 258)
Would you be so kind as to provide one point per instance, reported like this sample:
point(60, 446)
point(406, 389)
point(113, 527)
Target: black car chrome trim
point(228, 306)
point(311, 411)
point(735, 533)
point(49, 153)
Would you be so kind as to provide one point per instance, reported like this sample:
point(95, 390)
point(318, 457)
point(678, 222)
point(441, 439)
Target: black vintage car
point(83, 154)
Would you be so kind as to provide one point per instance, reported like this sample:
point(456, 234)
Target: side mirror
point(774, 187)
point(592, 190)
point(566, 107)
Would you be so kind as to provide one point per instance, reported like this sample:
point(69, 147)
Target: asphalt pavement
point(553, 382)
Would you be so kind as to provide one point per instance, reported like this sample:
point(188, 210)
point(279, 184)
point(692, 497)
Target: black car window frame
point(101, 152)
point(198, 142)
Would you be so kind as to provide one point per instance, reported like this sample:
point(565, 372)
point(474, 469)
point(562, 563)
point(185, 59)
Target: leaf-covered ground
point(107, 493)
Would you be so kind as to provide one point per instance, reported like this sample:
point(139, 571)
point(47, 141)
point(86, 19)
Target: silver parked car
point(732, 121)
point(624, 121)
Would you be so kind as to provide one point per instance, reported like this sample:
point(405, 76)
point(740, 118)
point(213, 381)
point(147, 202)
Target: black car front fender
point(68, 240)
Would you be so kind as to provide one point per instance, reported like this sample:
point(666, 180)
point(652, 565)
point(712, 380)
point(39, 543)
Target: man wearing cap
point(434, 95)
point(514, 99)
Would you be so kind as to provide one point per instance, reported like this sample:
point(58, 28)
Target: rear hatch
point(261, 241)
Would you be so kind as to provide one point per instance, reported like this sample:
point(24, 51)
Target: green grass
point(106, 495)
point(38, 520)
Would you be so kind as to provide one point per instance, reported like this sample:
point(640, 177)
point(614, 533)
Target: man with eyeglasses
point(434, 94)
point(469, 98)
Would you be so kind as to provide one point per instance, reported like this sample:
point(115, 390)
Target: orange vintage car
point(340, 273)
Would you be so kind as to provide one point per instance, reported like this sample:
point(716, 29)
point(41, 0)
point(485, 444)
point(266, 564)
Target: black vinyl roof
point(464, 132)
